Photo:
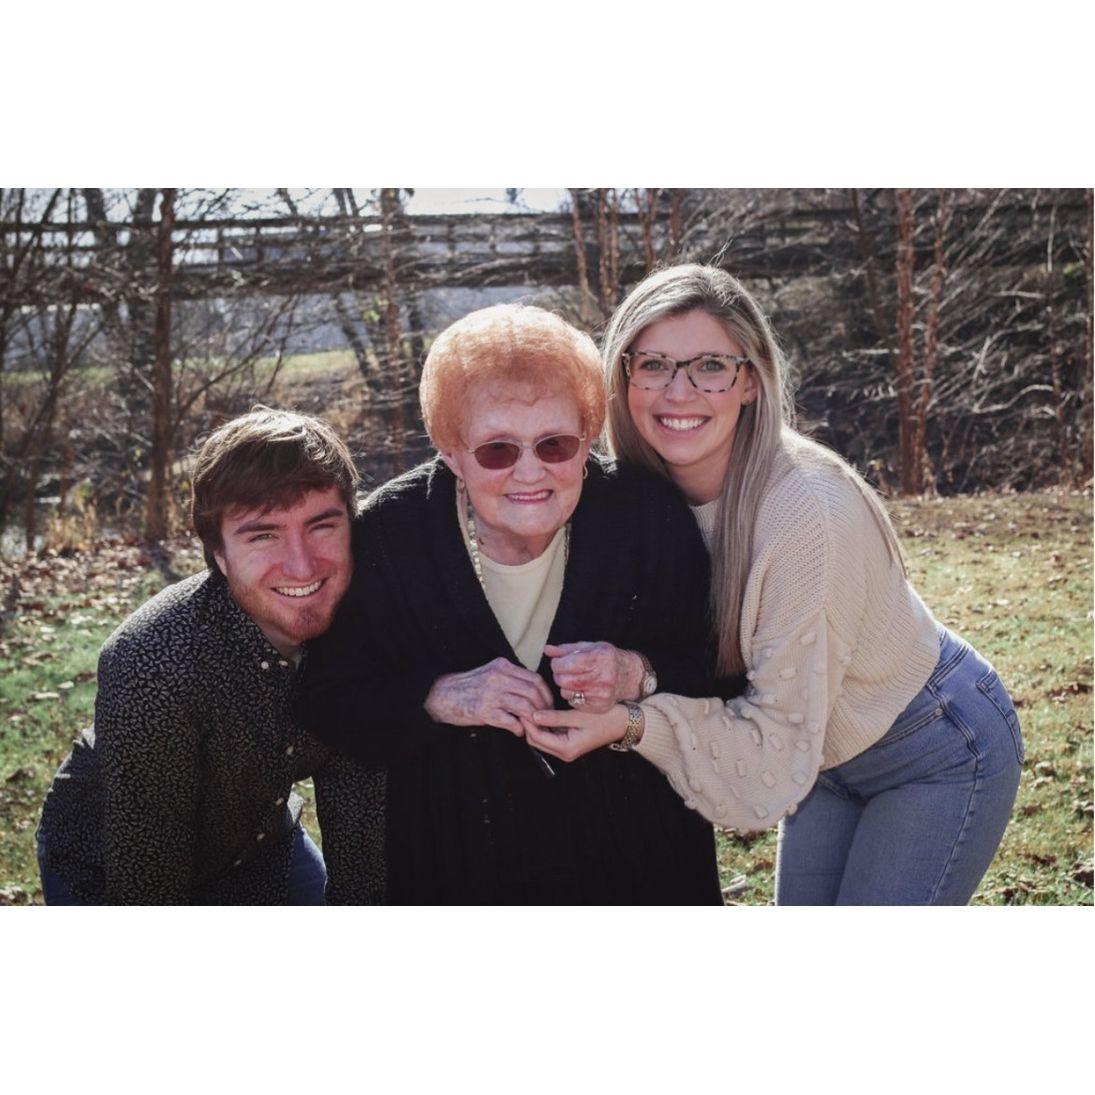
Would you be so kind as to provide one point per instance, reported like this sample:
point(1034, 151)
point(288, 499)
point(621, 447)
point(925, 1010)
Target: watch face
point(650, 684)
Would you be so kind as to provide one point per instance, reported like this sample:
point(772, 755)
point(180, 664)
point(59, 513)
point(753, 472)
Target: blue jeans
point(307, 876)
point(917, 817)
point(307, 872)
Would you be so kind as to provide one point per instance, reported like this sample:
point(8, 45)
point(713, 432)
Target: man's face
point(288, 568)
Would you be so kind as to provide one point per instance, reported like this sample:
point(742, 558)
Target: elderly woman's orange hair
point(508, 343)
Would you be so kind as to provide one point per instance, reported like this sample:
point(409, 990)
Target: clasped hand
point(510, 697)
point(600, 673)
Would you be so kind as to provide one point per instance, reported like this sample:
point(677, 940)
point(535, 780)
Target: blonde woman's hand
point(496, 694)
point(571, 734)
point(600, 673)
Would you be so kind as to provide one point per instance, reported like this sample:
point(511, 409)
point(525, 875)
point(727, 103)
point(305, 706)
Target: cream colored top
point(836, 643)
point(525, 597)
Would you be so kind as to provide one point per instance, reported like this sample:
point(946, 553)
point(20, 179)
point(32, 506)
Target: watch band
point(636, 723)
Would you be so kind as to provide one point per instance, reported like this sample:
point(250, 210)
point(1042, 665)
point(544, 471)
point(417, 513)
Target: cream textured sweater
point(836, 644)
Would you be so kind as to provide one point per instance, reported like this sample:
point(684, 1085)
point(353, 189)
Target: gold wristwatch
point(636, 721)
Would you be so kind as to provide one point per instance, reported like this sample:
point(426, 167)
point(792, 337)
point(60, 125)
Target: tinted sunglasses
point(495, 455)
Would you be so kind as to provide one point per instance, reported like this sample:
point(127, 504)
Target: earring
point(585, 471)
point(460, 488)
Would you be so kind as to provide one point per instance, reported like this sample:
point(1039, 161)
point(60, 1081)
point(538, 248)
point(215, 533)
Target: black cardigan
point(470, 815)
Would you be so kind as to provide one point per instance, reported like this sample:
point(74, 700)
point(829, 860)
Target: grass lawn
point(1011, 573)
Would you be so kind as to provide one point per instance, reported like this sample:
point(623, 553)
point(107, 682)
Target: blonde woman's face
point(691, 430)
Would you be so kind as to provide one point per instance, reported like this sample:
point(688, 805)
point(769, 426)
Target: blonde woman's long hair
point(765, 430)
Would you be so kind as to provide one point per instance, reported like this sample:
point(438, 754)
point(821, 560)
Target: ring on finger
point(577, 699)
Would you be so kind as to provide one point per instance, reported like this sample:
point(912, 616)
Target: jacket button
point(279, 802)
point(260, 837)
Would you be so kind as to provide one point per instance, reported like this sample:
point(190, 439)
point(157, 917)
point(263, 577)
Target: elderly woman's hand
point(600, 673)
point(495, 694)
point(571, 734)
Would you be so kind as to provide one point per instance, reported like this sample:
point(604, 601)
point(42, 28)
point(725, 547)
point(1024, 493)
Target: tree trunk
point(131, 331)
point(931, 342)
point(908, 458)
point(1086, 454)
point(584, 295)
point(602, 248)
point(390, 207)
point(676, 226)
point(647, 207)
point(156, 503)
point(608, 242)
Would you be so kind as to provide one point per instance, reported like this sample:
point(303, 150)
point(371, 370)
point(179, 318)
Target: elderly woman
point(480, 578)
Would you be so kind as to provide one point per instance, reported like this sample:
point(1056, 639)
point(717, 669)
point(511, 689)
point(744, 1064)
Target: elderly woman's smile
point(518, 509)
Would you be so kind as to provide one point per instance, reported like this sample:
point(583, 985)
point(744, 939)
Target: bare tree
point(906, 311)
point(52, 344)
point(939, 339)
point(155, 526)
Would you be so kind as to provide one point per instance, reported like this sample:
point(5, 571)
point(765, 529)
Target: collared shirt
point(181, 791)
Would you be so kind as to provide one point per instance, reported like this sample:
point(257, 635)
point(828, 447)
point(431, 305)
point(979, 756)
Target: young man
point(181, 791)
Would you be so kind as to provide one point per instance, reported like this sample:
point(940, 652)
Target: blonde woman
point(884, 745)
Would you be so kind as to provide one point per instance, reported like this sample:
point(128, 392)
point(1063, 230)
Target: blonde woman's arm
point(746, 763)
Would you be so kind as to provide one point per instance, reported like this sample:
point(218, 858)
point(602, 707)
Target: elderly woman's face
point(520, 508)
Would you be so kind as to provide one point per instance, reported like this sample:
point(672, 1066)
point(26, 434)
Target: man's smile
point(300, 591)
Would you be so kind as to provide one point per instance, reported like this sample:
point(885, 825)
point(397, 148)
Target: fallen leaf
point(1042, 860)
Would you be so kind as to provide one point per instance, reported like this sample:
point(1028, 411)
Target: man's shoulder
point(174, 621)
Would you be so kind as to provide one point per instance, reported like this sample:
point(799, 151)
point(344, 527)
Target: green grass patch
point(58, 611)
point(295, 369)
point(302, 368)
point(1010, 573)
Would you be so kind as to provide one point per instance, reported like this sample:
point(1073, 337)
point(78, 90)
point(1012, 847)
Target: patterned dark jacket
point(181, 792)
point(470, 817)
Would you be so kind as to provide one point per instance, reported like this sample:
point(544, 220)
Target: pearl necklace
point(473, 546)
point(473, 549)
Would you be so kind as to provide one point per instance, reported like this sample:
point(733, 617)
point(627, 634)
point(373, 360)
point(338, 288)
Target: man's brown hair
point(265, 460)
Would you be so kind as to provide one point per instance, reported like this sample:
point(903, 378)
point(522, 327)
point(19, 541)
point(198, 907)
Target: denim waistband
point(952, 651)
